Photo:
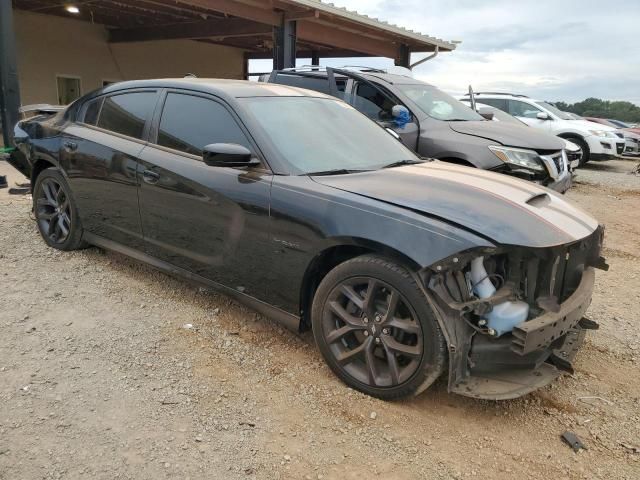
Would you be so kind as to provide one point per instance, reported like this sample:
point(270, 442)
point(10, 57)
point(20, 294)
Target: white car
point(598, 142)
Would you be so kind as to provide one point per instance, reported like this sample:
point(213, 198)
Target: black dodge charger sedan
point(299, 206)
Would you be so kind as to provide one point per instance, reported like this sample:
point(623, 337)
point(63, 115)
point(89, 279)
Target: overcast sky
point(551, 49)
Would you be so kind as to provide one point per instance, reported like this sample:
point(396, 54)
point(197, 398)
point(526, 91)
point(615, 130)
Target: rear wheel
point(375, 329)
point(55, 211)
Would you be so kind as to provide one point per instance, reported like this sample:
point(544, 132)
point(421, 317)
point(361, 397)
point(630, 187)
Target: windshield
point(319, 135)
point(438, 104)
point(619, 124)
point(556, 111)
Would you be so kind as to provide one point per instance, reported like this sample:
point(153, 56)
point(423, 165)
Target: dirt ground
point(100, 378)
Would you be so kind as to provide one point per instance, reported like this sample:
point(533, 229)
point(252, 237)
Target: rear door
point(212, 221)
point(100, 154)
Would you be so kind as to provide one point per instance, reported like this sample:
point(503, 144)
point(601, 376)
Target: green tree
point(595, 107)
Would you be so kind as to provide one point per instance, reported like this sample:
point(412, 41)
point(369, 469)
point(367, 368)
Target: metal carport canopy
point(256, 26)
point(278, 29)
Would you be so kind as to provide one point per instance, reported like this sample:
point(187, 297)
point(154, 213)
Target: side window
point(499, 103)
point(127, 113)
point(372, 102)
point(522, 109)
point(189, 123)
point(91, 111)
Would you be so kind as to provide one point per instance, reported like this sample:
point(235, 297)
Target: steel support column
point(9, 84)
point(403, 58)
point(315, 58)
point(284, 45)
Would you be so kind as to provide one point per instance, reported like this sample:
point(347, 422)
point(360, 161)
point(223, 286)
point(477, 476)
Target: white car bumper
point(605, 148)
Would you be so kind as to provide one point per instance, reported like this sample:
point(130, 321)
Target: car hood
point(504, 209)
point(587, 125)
point(509, 135)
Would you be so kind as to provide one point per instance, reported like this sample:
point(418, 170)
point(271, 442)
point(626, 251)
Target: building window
point(68, 89)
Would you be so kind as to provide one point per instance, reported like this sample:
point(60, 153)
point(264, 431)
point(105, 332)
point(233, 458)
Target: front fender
point(309, 218)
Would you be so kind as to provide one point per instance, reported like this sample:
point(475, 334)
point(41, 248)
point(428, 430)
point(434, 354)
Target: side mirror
point(399, 111)
point(543, 116)
point(486, 113)
point(228, 155)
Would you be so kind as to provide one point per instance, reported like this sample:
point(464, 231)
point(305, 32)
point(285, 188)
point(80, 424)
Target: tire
point(586, 153)
point(388, 356)
point(55, 211)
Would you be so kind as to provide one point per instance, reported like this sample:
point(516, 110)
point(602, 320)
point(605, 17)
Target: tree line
point(595, 107)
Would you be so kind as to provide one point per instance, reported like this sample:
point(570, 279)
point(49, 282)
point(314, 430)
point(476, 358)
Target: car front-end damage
point(525, 327)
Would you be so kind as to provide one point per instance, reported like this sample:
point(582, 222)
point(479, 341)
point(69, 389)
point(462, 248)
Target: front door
point(211, 221)
point(100, 154)
point(376, 104)
point(528, 114)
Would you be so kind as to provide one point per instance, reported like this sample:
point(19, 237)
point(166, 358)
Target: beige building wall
point(48, 46)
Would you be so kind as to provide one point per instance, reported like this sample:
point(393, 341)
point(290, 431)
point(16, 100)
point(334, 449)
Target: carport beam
point(9, 83)
point(284, 45)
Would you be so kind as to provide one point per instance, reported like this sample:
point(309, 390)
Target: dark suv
point(436, 125)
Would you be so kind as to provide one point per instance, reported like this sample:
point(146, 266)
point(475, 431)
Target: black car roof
point(220, 87)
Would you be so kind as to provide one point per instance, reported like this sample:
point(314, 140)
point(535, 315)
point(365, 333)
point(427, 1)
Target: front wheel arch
point(327, 259)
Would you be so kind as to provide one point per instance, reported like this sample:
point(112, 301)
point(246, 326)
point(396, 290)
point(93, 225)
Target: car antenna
point(472, 98)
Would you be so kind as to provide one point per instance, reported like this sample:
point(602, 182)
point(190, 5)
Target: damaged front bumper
point(537, 350)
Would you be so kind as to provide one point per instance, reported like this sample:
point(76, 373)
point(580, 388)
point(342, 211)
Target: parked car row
point(436, 125)
point(573, 151)
point(293, 202)
point(597, 142)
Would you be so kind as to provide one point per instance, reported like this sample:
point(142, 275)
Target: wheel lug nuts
point(366, 333)
point(378, 318)
point(385, 331)
point(365, 320)
point(377, 340)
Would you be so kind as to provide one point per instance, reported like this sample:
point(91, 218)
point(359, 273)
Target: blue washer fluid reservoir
point(504, 316)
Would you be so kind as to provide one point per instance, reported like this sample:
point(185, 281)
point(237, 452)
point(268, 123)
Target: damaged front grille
point(550, 279)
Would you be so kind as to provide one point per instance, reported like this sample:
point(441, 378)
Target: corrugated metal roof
point(356, 17)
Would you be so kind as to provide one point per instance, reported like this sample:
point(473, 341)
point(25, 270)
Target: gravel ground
point(109, 369)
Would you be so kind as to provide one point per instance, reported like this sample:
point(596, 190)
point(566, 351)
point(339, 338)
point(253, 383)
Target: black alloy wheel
point(55, 211)
point(374, 328)
point(372, 332)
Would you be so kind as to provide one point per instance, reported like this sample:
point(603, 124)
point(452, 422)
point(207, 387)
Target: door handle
point(70, 146)
point(150, 177)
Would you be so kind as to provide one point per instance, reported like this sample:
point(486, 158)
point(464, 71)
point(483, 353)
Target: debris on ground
point(157, 386)
point(631, 448)
point(573, 441)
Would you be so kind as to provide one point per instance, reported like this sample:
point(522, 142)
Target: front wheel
point(55, 211)
point(375, 329)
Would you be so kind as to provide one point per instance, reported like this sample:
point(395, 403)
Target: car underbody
point(556, 283)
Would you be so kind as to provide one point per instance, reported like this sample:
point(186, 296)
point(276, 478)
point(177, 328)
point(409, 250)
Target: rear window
point(92, 109)
point(318, 84)
point(127, 113)
point(500, 103)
